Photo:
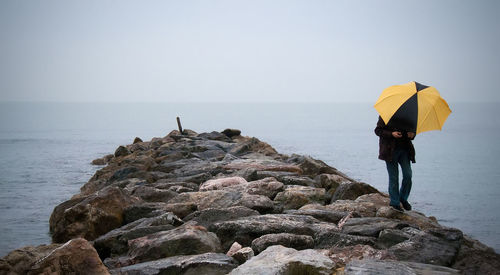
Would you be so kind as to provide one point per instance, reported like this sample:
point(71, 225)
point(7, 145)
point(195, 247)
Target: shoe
point(397, 208)
point(406, 205)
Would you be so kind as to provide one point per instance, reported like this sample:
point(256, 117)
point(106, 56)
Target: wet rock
point(207, 263)
point(343, 255)
point(280, 260)
point(370, 226)
point(121, 151)
point(187, 239)
point(352, 190)
point(298, 242)
point(220, 183)
point(76, 256)
point(115, 242)
point(370, 266)
point(209, 216)
point(296, 196)
point(231, 132)
point(89, 217)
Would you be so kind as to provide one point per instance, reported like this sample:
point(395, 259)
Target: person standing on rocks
point(396, 148)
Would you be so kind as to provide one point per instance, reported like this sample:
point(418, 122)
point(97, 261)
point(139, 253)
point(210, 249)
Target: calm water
point(46, 148)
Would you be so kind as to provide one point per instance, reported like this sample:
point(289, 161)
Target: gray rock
point(187, 239)
point(209, 216)
point(312, 167)
point(299, 180)
point(246, 229)
point(115, 242)
point(424, 247)
point(476, 258)
point(390, 237)
point(370, 226)
point(280, 260)
point(322, 215)
point(330, 239)
point(151, 194)
point(298, 242)
point(124, 173)
point(379, 267)
point(351, 191)
point(217, 136)
point(207, 263)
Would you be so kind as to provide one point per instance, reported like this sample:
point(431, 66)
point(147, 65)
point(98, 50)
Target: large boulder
point(220, 183)
point(89, 217)
point(280, 260)
point(437, 246)
point(21, 260)
point(352, 190)
point(244, 230)
point(298, 242)
point(115, 242)
point(370, 226)
point(209, 216)
point(207, 263)
point(296, 196)
point(77, 256)
point(187, 239)
point(476, 258)
point(342, 255)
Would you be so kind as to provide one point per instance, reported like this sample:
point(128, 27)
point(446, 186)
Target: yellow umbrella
point(412, 107)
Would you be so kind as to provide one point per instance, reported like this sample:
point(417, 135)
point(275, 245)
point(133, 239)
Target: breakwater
point(220, 202)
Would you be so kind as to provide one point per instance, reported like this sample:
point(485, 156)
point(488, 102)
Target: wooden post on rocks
point(179, 124)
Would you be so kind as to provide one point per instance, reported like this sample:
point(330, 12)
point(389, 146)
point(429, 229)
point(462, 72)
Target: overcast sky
point(246, 51)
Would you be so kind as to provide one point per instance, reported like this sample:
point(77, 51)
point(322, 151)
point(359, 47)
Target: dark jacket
point(387, 143)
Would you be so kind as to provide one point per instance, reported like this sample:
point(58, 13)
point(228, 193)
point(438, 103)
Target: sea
point(46, 149)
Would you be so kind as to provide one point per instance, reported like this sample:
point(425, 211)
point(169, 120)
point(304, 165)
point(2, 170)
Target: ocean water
point(46, 150)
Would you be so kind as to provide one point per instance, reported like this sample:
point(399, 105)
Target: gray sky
point(246, 50)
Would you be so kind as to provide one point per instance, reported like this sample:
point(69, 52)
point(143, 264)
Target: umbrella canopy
point(412, 107)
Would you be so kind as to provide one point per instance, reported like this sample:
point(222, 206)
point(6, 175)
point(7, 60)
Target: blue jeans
point(402, 158)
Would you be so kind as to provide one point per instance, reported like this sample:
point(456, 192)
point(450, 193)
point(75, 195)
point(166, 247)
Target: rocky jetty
point(222, 203)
